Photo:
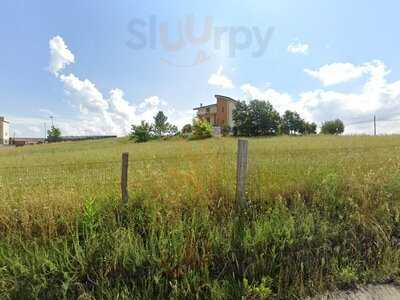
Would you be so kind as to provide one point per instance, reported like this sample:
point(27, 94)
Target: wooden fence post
point(241, 174)
point(124, 177)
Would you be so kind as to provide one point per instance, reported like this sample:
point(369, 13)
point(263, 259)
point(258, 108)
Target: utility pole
point(374, 125)
point(52, 121)
point(45, 131)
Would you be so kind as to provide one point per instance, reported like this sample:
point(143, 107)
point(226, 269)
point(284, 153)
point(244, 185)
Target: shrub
point(226, 130)
point(260, 291)
point(141, 133)
point(187, 129)
point(54, 134)
point(201, 129)
point(332, 127)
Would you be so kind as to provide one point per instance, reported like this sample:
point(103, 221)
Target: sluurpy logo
point(204, 40)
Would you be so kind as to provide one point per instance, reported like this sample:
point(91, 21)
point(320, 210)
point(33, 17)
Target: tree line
point(259, 118)
point(256, 118)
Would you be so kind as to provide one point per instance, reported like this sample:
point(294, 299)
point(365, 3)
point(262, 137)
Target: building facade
point(218, 114)
point(4, 131)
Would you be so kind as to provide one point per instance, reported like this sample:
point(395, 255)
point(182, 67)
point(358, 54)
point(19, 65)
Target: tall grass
point(324, 213)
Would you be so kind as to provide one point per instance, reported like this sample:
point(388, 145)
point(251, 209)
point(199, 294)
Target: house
point(4, 131)
point(218, 114)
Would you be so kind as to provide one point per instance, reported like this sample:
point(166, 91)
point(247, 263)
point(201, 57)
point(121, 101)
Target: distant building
point(19, 142)
point(218, 114)
point(4, 131)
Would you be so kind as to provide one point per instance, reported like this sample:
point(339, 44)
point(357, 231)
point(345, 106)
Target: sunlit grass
point(319, 208)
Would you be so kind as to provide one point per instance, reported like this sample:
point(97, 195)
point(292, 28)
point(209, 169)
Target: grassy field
point(324, 213)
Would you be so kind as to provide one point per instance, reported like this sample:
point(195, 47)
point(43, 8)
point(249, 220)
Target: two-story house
point(218, 114)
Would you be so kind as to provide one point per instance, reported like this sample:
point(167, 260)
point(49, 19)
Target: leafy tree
point(242, 119)
point(171, 130)
point(201, 129)
point(53, 134)
point(160, 124)
point(292, 123)
point(332, 127)
point(258, 118)
point(310, 128)
point(264, 118)
point(141, 133)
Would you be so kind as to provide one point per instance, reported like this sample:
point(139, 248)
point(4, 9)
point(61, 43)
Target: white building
point(4, 131)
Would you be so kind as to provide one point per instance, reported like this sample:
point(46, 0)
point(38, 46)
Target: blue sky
point(324, 59)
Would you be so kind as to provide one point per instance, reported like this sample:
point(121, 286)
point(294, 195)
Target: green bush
point(226, 130)
point(141, 133)
point(201, 129)
point(332, 127)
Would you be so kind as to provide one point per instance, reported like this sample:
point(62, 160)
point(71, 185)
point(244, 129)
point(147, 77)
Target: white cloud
point(298, 48)
point(60, 55)
point(342, 72)
point(100, 114)
point(220, 80)
point(376, 97)
point(281, 101)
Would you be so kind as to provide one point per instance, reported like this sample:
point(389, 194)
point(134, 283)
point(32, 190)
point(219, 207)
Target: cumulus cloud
point(342, 72)
point(298, 48)
point(220, 80)
point(60, 55)
point(356, 108)
point(99, 113)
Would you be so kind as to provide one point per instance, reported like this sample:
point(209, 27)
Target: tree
point(264, 118)
point(310, 128)
point(291, 123)
point(242, 119)
point(53, 134)
point(332, 127)
point(258, 118)
point(160, 124)
point(171, 130)
point(141, 133)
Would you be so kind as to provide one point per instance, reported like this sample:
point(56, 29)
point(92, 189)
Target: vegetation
point(201, 129)
point(161, 128)
point(187, 129)
point(323, 213)
point(53, 134)
point(293, 124)
point(141, 133)
point(332, 127)
point(259, 118)
point(226, 130)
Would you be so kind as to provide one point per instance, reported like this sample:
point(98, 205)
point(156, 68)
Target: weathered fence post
point(241, 174)
point(124, 177)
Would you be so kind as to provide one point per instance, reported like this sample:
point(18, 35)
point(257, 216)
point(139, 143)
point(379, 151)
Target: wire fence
point(175, 175)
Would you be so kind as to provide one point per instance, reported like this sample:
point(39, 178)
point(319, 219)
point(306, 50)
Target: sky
point(99, 66)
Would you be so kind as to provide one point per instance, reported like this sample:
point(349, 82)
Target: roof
point(226, 98)
point(204, 106)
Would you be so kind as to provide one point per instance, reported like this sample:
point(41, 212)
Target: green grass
point(323, 213)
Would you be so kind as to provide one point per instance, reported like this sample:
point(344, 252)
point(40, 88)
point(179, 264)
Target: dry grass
point(310, 200)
